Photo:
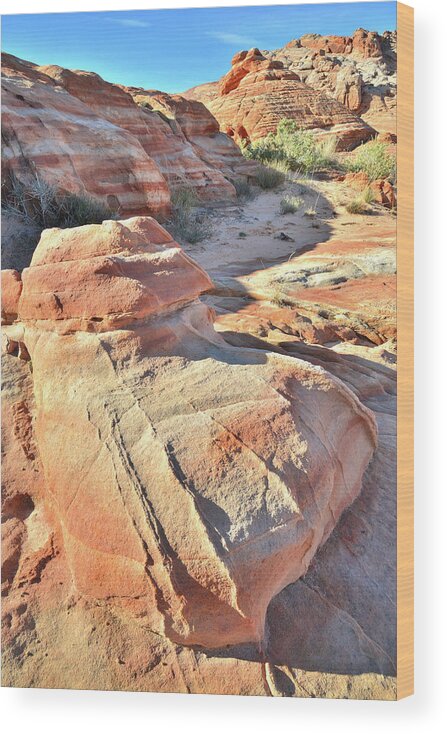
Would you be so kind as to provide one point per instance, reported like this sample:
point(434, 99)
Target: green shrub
point(293, 149)
point(290, 204)
point(269, 178)
point(42, 205)
point(373, 159)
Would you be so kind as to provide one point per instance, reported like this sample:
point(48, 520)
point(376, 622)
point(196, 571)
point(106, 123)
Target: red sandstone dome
point(257, 93)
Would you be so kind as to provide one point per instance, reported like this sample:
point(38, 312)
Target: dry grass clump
point(244, 190)
point(41, 205)
point(290, 204)
point(269, 178)
point(356, 206)
point(186, 224)
point(361, 203)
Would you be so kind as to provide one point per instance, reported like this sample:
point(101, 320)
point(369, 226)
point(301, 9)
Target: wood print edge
point(405, 298)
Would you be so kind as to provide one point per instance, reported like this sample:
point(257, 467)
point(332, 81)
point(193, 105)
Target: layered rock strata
point(51, 133)
point(127, 147)
point(259, 92)
point(358, 71)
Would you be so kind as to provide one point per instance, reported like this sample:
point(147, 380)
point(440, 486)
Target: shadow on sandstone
point(340, 617)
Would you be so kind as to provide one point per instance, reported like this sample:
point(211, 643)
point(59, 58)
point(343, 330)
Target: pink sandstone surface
point(193, 538)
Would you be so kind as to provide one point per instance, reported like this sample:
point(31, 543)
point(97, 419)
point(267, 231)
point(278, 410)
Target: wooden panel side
point(405, 371)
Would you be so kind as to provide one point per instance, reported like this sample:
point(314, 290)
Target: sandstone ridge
point(142, 154)
point(358, 71)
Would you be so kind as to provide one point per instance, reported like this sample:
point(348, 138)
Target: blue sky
point(173, 50)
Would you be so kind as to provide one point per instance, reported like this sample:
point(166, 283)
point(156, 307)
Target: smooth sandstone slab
point(192, 480)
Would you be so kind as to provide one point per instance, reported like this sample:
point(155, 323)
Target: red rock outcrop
point(143, 142)
point(194, 124)
point(258, 92)
point(382, 190)
point(48, 131)
point(168, 144)
point(359, 71)
point(363, 43)
point(191, 537)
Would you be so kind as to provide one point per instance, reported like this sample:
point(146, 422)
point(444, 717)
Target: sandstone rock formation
point(258, 92)
point(141, 152)
point(362, 43)
point(188, 481)
point(51, 132)
point(194, 124)
point(359, 71)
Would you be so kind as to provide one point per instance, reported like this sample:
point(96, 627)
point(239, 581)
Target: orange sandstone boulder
point(11, 289)
point(382, 189)
point(191, 480)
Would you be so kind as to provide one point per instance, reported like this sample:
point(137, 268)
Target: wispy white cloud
point(130, 22)
point(232, 38)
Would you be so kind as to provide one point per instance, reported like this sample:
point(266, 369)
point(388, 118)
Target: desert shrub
point(184, 198)
point(356, 206)
point(367, 195)
point(360, 204)
point(290, 204)
point(269, 178)
point(187, 225)
point(244, 190)
point(293, 149)
point(373, 159)
point(193, 228)
point(42, 205)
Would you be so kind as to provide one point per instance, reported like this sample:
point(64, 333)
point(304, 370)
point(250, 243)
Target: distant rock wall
point(358, 71)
